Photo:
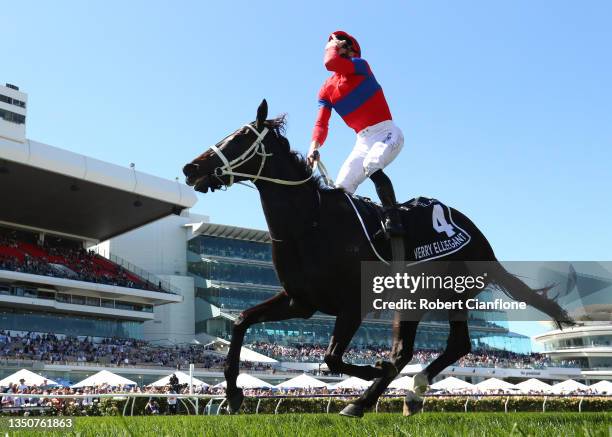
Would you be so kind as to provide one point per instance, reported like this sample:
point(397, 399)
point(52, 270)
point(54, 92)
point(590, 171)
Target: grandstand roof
point(236, 232)
point(48, 188)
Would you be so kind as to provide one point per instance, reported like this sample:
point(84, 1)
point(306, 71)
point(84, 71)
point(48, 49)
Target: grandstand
point(56, 205)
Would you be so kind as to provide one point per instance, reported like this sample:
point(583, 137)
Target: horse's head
point(240, 156)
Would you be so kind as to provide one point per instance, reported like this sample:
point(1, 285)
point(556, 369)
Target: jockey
point(357, 97)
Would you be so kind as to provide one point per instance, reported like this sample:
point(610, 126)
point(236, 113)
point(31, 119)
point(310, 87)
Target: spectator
point(152, 407)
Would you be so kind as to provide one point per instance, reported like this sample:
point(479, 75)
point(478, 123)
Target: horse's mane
point(278, 125)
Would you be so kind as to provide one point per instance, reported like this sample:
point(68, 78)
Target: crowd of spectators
point(64, 259)
point(372, 354)
point(53, 348)
point(230, 248)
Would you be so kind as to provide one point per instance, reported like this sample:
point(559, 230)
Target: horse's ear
point(262, 114)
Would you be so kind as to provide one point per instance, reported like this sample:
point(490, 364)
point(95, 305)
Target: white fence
point(210, 408)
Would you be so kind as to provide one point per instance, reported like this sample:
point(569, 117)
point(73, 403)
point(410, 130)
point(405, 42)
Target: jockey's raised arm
point(334, 61)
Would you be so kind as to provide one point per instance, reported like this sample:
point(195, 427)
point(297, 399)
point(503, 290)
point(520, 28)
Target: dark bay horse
point(317, 248)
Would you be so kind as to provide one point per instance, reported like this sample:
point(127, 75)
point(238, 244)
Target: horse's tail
point(516, 289)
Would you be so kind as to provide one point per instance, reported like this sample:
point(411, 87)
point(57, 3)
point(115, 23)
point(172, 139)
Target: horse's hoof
point(234, 401)
point(388, 369)
point(352, 410)
point(420, 384)
point(413, 404)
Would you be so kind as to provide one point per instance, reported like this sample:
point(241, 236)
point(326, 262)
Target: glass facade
point(586, 341)
point(19, 320)
point(234, 274)
point(12, 117)
point(74, 299)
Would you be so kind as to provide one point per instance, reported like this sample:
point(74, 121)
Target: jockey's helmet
point(352, 42)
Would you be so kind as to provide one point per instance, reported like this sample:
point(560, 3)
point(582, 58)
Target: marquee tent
point(603, 387)
point(353, 382)
point(494, 384)
point(568, 386)
point(452, 384)
point(104, 377)
point(403, 383)
point(302, 381)
point(247, 381)
point(533, 385)
point(31, 379)
point(183, 378)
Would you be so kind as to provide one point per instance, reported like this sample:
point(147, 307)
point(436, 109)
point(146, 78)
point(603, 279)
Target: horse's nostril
point(190, 169)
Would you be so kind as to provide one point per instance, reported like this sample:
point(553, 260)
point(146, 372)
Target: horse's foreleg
point(278, 307)
point(404, 333)
point(344, 329)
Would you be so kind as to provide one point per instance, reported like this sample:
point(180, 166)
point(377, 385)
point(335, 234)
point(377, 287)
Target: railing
point(141, 273)
point(193, 399)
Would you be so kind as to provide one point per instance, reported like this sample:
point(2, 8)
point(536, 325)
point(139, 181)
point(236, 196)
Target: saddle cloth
point(431, 232)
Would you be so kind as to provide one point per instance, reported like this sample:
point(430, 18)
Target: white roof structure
point(31, 379)
point(99, 200)
point(85, 168)
point(104, 377)
point(247, 381)
point(183, 378)
point(494, 384)
point(602, 387)
point(568, 386)
point(452, 384)
point(353, 382)
point(302, 381)
point(403, 383)
point(533, 385)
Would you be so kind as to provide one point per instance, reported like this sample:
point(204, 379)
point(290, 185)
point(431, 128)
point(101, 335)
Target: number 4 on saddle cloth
point(431, 232)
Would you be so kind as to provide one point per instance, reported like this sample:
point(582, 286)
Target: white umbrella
point(247, 381)
point(568, 386)
point(104, 377)
point(302, 381)
point(533, 385)
point(452, 384)
point(603, 387)
point(403, 383)
point(494, 384)
point(31, 379)
point(183, 378)
point(353, 382)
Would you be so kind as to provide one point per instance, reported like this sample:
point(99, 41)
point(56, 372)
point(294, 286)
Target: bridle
point(257, 148)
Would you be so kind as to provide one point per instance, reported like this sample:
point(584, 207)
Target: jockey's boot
point(392, 216)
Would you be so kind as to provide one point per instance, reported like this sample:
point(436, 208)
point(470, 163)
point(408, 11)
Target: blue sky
point(506, 107)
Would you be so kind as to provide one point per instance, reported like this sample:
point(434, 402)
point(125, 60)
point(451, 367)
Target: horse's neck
point(289, 210)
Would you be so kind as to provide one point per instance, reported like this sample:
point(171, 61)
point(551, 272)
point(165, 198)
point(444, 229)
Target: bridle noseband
point(257, 148)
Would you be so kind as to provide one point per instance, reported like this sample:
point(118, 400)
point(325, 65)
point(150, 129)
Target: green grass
point(382, 424)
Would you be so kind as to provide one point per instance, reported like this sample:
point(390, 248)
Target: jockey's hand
point(336, 42)
point(313, 154)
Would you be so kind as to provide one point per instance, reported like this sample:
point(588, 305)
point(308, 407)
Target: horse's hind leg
point(457, 346)
point(404, 333)
point(278, 307)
